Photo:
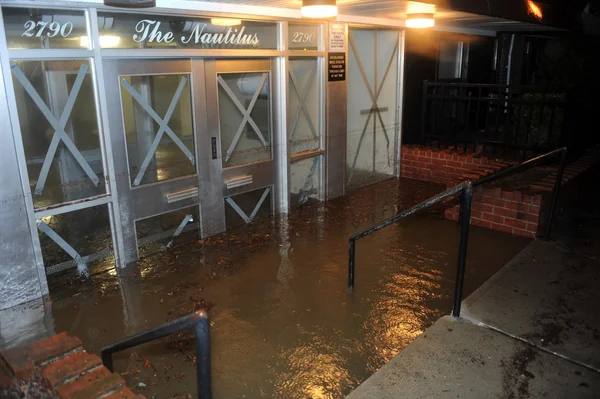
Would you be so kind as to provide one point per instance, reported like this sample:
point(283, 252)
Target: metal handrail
point(198, 321)
point(466, 191)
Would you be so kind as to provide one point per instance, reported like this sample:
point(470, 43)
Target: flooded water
point(283, 323)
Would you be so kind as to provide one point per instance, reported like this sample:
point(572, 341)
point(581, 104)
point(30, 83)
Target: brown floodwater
point(283, 323)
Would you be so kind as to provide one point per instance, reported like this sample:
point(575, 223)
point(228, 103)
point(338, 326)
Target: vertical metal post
point(351, 264)
point(556, 191)
point(464, 224)
point(202, 333)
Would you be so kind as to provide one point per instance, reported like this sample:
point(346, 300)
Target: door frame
point(148, 200)
point(251, 176)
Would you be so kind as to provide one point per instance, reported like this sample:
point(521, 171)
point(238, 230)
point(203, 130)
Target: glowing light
point(225, 21)
point(420, 21)
point(534, 9)
point(105, 41)
point(319, 9)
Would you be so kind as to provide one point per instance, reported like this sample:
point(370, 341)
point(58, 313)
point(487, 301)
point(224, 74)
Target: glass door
point(157, 120)
point(372, 106)
point(243, 105)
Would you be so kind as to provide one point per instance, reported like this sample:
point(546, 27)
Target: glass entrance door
point(244, 109)
point(372, 106)
point(157, 127)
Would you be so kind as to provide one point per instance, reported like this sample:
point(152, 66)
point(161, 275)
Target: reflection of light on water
point(401, 312)
point(316, 370)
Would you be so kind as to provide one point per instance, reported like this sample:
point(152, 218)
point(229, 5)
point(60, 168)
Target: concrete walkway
point(533, 330)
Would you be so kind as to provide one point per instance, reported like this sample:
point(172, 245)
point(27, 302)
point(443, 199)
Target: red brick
point(17, 362)
point(51, 348)
point(537, 200)
point(101, 387)
point(67, 389)
point(507, 195)
point(482, 223)
point(534, 210)
point(509, 213)
point(56, 373)
point(483, 207)
point(495, 201)
point(512, 205)
point(532, 226)
point(476, 214)
point(490, 217)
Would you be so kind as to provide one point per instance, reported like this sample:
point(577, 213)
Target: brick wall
point(58, 367)
point(445, 166)
point(509, 211)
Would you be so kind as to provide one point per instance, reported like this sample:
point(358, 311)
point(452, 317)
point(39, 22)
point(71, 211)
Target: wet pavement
point(283, 323)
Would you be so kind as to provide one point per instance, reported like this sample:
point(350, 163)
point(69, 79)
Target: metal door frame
point(239, 179)
point(170, 195)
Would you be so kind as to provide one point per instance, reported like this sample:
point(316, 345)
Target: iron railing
point(466, 191)
point(198, 321)
point(527, 118)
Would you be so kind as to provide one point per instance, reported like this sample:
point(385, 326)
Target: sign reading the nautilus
point(149, 30)
point(160, 31)
point(51, 28)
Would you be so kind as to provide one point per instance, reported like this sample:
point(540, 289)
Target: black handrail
point(198, 321)
point(466, 191)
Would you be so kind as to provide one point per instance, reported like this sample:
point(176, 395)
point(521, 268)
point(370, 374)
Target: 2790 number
point(52, 29)
point(301, 37)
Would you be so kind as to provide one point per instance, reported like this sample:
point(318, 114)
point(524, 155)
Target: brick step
point(64, 367)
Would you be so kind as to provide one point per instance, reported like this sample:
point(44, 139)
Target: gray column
point(19, 276)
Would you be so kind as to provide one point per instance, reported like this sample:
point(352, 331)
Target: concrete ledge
point(457, 359)
point(548, 296)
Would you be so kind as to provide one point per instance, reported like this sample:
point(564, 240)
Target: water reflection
point(283, 323)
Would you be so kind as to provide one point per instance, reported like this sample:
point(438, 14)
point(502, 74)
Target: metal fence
point(528, 119)
point(466, 192)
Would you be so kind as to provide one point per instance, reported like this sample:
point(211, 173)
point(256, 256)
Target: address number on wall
point(302, 37)
point(52, 29)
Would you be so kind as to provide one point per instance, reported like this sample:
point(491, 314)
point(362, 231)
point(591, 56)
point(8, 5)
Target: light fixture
point(534, 10)
point(421, 20)
point(105, 41)
point(225, 21)
point(318, 9)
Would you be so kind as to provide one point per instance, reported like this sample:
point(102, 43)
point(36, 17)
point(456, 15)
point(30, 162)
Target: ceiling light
point(534, 9)
point(422, 20)
point(225, 21)
point(318, 9)
point(105, 41)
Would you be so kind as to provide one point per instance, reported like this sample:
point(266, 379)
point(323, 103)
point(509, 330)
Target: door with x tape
point(161, 150)
point(372, 138)
point(243, 89)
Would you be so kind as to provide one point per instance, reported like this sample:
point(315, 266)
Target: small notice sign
point(337, 37)
point(336, 67)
